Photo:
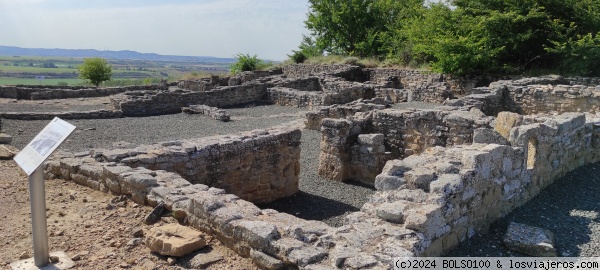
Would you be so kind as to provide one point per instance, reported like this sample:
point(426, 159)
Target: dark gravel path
point(319, 198)
point(570, 208)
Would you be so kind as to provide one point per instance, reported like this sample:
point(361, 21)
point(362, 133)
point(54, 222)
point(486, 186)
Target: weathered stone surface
point(505, 122)
point(5, 138)
point(154, 215)
point(174, 240)
point(203, 260)
point(485, 135)
point(265, 261)
point(257, 233)
point(8, 151)
point(530, 240)
point(392, 212)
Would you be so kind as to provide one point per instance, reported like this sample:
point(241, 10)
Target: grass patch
point(28, 81)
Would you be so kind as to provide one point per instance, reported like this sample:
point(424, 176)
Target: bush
point(245, 62)
point(298, 57)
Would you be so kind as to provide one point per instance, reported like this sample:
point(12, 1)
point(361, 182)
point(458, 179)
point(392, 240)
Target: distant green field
point(22, 70)
point(16, 81)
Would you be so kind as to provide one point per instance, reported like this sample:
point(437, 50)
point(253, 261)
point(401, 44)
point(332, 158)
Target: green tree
point(95, 70)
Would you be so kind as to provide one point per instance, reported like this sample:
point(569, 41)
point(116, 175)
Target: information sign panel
point(40, 148)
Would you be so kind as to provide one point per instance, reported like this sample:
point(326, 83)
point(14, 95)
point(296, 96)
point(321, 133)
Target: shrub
point(246, 62)
point(298, 57)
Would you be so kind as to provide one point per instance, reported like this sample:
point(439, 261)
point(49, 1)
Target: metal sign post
point(37, 195)
point(31, 160)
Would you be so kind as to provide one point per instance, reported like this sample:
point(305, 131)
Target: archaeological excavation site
point(322, 166)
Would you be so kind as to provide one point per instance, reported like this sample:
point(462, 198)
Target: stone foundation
point(258, 166)
point(404, 133)
point(93, 114)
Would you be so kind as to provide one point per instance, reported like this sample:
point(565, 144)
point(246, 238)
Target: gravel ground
point(569, 208)
point(318, 198)
point(102, 133)
point(415, 105)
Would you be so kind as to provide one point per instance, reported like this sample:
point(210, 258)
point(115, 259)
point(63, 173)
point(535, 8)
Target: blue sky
point(222, 28)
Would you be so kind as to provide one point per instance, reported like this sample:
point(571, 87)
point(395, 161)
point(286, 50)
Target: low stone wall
point(145, 103)
point(33, 92)
point(341, 111)
point(93, 114)
point(462, 189)
point(545, 95)
point(404, 133)
point(258, 166)
point(348, 72)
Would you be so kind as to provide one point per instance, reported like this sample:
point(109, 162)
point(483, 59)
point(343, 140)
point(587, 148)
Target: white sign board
point(40, 148)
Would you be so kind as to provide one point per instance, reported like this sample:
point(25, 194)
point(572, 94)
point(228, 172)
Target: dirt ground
point(95, 229)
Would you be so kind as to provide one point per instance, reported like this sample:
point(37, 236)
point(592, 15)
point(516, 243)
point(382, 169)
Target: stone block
point(5, 138)
point(485, 135)
point(371, 139)
point(174, 240)
point(392, 211)
point(530, 240)
point(505, 121)
point(258, 234)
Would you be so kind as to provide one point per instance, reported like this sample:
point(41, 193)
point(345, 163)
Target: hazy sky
point(222, 28)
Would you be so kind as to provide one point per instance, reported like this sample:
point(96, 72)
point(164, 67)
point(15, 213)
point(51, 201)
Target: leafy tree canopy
point(464, 36)
point(95, 70)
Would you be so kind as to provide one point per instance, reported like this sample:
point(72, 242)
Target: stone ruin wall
point(462, 189)
point(33, 92)
point(259, 166)
point(424, 204)
point(344, 155)
point(143, 103)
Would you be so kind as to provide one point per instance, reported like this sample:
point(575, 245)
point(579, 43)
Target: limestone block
point(393, 211)
point(388, 182)
point(258, 234)
point(530, 240)
point(305, 255)
point(371, 139)
point(447, 184)
point(265, 261)
point(427, 219)
point(485, 135)
point(505, 121)
point(174, 240)
point(5, 138)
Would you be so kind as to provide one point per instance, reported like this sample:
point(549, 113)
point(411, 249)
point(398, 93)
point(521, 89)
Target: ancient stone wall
point(93, 114)
point(143, 103)
point(454, 192)
point(404, 133)
point(341, 111)
point(34, 92)
point(258, 166)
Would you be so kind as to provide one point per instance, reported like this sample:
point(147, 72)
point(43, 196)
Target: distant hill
point(18, 51)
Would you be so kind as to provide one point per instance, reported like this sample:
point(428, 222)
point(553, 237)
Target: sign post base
point(64, 262)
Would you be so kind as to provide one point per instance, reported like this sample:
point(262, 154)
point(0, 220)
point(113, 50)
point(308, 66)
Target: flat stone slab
point(5, 138)
point(530, 240)
point(174, 240)
point(8, 151)
point(64, 262)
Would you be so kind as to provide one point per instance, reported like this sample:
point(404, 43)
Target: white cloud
point(269, 28)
